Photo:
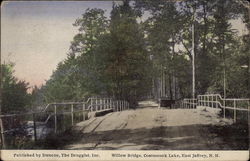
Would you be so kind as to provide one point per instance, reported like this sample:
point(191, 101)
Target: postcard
point(125, 80)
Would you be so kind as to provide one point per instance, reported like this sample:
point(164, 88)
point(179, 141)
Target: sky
point(36, 35)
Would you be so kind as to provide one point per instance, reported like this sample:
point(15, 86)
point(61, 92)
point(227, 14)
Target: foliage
point(14, 92)
point(146, 43)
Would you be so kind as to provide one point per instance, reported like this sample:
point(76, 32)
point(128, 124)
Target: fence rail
point(228, 105)
point(54, 118)
point(189, 103)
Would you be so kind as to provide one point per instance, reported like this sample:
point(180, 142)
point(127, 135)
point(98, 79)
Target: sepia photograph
point(125, 76)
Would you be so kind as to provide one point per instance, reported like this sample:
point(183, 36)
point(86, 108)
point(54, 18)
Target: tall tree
point(128, 60)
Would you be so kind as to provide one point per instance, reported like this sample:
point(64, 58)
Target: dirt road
point(152, 128)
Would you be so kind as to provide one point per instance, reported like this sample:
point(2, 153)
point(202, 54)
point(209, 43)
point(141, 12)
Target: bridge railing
point(54, 118)
point(228, 105)
point(99, 104)
point(189, 103)
point(236, 108)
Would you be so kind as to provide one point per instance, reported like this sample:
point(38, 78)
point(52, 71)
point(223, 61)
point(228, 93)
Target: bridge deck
point(154, 128)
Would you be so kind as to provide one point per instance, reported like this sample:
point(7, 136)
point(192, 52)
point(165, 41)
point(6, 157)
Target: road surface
point(152, 128)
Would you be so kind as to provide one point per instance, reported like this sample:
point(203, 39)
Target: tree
point(223, 45)
point(125, 59)
point(77, 76)
point(14, 92)
point(164, 28)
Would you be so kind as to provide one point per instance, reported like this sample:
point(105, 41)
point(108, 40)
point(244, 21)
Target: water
point(41, 130)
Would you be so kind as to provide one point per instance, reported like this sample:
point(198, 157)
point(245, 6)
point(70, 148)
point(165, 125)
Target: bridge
point(207, 122)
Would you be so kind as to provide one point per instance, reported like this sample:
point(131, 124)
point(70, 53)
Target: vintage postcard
point(125, 80)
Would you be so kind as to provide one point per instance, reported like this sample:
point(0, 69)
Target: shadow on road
point(190, 137)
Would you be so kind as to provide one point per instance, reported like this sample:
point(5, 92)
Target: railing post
point(109, 106)
point(193, 103)
point(212, 101)
point(111, 103)
point(34, 126)
point(216, 98)
point(83, 109)
point(2, 133)
point(91, 104)
point(118, 108)
point(96, 104)
point(224, 107)
point(104, 103)
point(55, 117)
point(234, 110)
point(100, 103)
point(72, 114)
point(108, 103)
point(198, 101)
point(208, 97)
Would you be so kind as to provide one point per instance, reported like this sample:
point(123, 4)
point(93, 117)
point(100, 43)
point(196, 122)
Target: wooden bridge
point(105, 123)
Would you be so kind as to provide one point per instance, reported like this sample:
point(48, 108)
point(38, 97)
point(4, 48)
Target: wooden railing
point(228, 105)
point(55, 118)
point(189, 103)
